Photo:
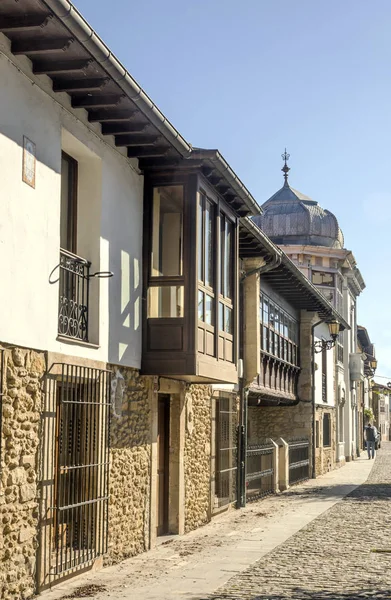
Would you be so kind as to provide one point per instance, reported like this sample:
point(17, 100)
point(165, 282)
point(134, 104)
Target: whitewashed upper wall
point(109, 222)
point(322, 332)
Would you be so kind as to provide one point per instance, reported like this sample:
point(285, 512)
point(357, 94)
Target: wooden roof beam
point(40, 46)
point(140, 152)
point(80, 85)
point(59, 67)
point(96, 101)
point(111, 116)
point(137, 140)
point(124, 128)
point(25, 22)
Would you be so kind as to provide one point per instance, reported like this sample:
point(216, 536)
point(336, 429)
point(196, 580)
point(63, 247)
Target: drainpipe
point(313, 475)
point(243, 387)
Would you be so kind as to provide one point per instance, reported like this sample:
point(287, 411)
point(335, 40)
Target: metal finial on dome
point(285, 169)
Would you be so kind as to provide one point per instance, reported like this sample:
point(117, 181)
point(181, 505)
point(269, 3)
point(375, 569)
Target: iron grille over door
point(226, 449)
point(81, 467)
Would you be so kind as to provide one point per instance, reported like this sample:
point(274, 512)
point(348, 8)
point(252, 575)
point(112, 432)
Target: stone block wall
point(197, 456)
point(280, 421)
point(325, 455)
point(130, 465)
point(19, 490)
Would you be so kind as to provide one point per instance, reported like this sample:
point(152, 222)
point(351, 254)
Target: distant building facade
point(313, 240)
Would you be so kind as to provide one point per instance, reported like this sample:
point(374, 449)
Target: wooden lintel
point(40, 46)
point(80, 85)
point(9, 23)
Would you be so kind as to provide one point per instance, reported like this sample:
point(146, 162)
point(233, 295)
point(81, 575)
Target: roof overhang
point(212, 165)
point(286, 278)
point(61, 44)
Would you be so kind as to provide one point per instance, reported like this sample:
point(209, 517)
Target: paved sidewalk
point(194, 566)
point(344, 554)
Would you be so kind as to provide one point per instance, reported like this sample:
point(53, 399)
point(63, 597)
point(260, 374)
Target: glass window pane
point(201, 311)
point(265, 339)
point(271, 314)
point(271, 342)
point(228, 328)
point(166, 302)
point(167, 231)
point(209, 244)
point(228, 275)
point(209, 320)
point(68, 208)
point(265, 312)
point(200, 235)
point(222, 254)
point(285, 326)
point(277, 319)
point(221, 316)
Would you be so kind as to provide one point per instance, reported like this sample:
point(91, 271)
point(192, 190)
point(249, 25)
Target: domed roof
point(290, 217)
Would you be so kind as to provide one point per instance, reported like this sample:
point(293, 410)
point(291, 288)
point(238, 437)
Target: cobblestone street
point(343, 554)
point(326, 539)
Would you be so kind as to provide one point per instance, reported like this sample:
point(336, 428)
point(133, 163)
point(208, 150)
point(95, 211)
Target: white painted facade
point(109, 222)
point(348, 285)
point(322, 333)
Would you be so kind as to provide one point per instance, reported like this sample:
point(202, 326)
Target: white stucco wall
point(322, 331)
point(109, 222)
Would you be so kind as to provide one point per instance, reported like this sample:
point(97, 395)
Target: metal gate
point(259, 471)
point(226, 449)
point(299, 460)
point(81, 464)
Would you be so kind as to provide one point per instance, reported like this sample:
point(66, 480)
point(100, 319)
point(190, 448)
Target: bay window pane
point(209, 320)
point(166, 302)
point(200, 237)
point(209, 244)
point(201, 309)
point(265, 339)
point(167, 231)
point(221, 316)
point(265, 312)
point(228, 275)
point(228, 321)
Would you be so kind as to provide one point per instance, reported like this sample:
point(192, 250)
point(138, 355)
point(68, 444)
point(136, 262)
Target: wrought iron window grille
point(74, 277)
point(79, 525)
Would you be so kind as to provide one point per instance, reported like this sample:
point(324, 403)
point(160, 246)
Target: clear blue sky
point(250, 77)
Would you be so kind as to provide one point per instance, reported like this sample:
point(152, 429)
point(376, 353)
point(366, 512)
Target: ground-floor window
point(326, 430)
point(226, 449)
point(81, 467)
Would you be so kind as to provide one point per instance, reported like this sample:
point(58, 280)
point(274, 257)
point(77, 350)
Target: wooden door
point(163, 448)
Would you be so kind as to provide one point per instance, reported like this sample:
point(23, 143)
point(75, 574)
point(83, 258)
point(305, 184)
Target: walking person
point(371, 437)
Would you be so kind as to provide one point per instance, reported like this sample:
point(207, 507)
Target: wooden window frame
point(73, 177)
point(216, 292)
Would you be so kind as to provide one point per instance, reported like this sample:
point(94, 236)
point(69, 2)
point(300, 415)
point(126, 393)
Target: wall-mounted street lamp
point(322, 345)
